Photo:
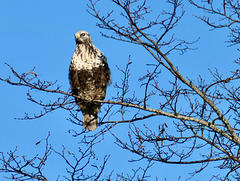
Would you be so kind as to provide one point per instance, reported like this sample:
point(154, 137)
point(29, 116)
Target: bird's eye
point(83, 34)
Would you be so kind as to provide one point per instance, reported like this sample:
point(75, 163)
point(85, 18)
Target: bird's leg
point(94, 97)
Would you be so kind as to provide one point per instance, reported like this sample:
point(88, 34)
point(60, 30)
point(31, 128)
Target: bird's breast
point(85, 61)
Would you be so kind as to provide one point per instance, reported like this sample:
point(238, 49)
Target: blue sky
point(41, 34)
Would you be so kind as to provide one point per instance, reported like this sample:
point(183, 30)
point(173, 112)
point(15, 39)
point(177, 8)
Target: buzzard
point(89, 76)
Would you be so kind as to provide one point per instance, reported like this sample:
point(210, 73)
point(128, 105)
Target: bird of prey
point(89, 76)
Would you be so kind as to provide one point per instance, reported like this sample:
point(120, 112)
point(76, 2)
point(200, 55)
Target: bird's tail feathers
point(90, 122)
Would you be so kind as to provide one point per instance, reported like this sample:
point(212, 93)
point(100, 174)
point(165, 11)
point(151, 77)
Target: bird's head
point(83, 37)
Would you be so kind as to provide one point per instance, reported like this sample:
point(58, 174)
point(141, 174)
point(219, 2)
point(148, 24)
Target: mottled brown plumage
point(89, 76)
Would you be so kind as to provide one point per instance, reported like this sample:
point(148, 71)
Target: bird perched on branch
point(89, 76)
